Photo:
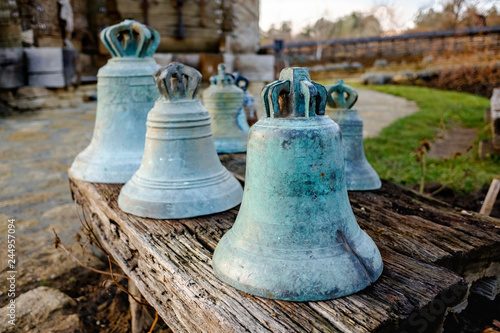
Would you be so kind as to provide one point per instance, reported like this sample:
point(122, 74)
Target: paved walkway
point(379, 110)
point(37, 148)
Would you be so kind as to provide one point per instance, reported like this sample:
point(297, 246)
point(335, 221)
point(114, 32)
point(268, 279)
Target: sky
point(303, 12)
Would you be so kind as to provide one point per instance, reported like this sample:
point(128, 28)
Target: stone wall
point(206, 23)
point(247, 34)
point(42, 17)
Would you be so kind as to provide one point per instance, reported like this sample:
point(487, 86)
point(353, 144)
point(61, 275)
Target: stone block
point(255, 67)
point(229, 61)
point(192, 60)
point(29, 98)
point(376, 78)
point(404, 77)
point(12, 68)
point(380, 63)
point(51, 103)
point(35, 307)
point(487, 150)
point(45, 67)
point(163, 59)
point(32, 92)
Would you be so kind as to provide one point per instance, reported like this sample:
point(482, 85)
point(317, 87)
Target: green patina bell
point(295, 237)
point(248, 106)
point(359, 174)
point(224, 101)
point(126, 92)
point(181, 175)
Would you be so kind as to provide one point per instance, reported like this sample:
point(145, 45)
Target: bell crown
point(337, 95)
point(130, 39)
point(294, 95)
point(177, 81)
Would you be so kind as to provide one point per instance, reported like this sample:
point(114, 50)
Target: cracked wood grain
point(427, 248)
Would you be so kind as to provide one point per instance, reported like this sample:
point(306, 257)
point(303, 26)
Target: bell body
point(249, 109)
point(126, 92)
point(296, 237)
point(248, 100)
point(359, 174)
point(180, 175)
point(224, 102)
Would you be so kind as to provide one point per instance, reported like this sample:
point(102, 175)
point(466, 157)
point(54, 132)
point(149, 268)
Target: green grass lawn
point(392, 153)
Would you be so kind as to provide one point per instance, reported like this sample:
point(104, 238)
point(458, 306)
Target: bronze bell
point(181, 175)
point(295, 237)
point(248, 100)
point(224, 101)
point(359, 174)
point(126, 92)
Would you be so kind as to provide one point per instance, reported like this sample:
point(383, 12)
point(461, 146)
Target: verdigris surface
point(224, 102)
point(359, 174)
point(181, 175)
point(295, 237)
point(126, 92)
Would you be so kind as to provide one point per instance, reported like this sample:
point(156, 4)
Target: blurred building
point(61, 37)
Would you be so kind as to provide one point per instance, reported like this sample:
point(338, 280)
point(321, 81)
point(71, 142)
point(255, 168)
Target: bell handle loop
point(321, 99)
point(228, 79)
point(240, 79)
point(186, 84)
point(144, 34)
point(107, 43)
point(124, 29)
point(151, 44)
point(336, 97)
point(271, 96)
point(309, 92)
point(263, 97)
point(143, 43)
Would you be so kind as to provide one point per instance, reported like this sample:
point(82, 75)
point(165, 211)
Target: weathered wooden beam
point(424, 243)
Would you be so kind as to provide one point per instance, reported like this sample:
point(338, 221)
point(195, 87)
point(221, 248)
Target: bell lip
point(334, 291)
point(371, 182)
point(369, 179)
point(363, 188)
point(236, 146)
point(156, 209)
point(95, 173)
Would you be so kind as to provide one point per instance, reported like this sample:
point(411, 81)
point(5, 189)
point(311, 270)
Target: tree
point(284, 31)
point(455, 14)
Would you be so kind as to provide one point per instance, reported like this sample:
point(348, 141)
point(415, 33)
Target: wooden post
point(491, 196)
point(141, 318)
point(495, 117)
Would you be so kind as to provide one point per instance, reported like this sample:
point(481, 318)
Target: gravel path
point(379, 110)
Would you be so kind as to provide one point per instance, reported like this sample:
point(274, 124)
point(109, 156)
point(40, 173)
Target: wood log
point(425, 245)
point(170, 262)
